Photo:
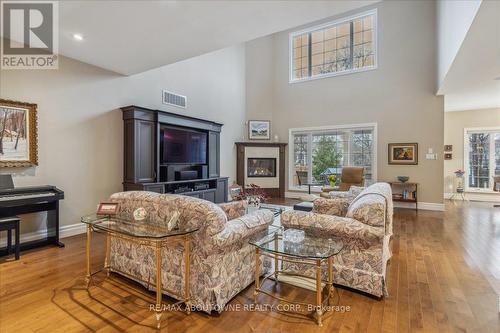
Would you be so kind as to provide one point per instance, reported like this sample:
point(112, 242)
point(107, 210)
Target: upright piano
point(33, 199)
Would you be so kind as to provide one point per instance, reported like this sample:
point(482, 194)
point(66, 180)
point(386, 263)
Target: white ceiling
point(470, 82)
point(130, 37)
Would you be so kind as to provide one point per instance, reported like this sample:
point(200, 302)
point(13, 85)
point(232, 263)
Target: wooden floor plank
point(444, 276)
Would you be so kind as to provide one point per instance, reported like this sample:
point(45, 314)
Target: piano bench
point(9, 224)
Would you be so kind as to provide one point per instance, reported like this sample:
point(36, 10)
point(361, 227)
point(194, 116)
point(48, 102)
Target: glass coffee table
point(295, 246)
point(145, 233)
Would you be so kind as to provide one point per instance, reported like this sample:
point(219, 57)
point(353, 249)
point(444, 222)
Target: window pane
point(331, 48)
point(300, 143)
point(497, 154)
point(479, 152)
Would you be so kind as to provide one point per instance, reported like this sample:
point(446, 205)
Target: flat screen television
point(183, 146)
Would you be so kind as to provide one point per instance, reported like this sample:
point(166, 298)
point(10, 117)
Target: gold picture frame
point(18, 127)
point(403, 153)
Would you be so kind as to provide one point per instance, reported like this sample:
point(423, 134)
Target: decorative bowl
point(403, 179)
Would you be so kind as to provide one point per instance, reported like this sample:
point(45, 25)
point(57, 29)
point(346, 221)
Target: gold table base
point(320, 304)
point(157, 244)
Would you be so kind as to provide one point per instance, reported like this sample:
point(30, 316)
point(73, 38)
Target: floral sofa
point(222, 260)
point(364, 222)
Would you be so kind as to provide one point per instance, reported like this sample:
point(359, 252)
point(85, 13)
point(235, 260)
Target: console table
point(410, 188)
point(145, 233)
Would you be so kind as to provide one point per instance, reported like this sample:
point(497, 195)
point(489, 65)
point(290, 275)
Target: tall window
point(318, 153)
point(343, 46)
point(482, 158)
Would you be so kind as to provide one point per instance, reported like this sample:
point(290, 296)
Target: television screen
point(183, 146)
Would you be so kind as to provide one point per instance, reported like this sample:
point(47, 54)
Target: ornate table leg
point(158, 285)
point(257, 274)
point(187, 263)
point(319, 311)
point(107, 259)
point(330, 278)
point(88, 276)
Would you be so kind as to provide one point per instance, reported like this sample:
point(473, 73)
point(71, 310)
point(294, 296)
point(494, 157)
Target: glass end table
point(147, 233)
point(280, 245)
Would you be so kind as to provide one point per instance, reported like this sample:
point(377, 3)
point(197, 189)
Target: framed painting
point(403, 153)
point(18, 134)
point(259, 129)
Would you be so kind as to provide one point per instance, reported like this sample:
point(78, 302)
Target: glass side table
point(308, 250)
point(145, 233)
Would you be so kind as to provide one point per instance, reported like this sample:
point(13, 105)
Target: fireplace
point(261, 167)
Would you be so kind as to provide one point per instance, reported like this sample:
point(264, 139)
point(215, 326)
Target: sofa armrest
point(234, 209)
point(242, 228)
point(333, 206)
point(328, 225)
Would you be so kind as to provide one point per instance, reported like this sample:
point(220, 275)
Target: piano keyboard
point(26, 196)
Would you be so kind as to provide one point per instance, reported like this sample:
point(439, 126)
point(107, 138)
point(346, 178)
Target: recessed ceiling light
point(77, 37)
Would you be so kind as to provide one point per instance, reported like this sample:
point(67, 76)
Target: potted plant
point(254, 195)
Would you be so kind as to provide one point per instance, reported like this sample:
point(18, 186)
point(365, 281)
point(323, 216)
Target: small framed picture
point(259, 129)
point(448, 148)
point(403, 153)
point(107, 208)
point(448, 156)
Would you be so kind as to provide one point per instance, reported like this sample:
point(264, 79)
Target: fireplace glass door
point(261, 167)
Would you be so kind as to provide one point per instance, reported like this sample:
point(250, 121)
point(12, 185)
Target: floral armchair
point(364, 223)
point(222, 260)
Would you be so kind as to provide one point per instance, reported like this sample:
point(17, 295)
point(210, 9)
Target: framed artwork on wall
point(18, 134)
point(403, 153)
point(259, 129)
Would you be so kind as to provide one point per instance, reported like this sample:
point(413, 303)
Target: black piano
point(33, 199)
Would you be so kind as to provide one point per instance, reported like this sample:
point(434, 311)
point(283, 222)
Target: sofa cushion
point(369, 209)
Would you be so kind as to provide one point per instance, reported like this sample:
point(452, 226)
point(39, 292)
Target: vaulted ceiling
point(129, 37)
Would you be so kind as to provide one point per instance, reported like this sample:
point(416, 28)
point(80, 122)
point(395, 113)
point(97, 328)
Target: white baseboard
point(486, 197)
point(64, 231)
point(421, 205)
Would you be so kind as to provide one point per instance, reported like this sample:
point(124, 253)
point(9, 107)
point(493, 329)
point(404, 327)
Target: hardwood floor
point(444, 276)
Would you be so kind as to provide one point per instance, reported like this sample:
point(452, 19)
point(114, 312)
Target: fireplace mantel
point(265, 150)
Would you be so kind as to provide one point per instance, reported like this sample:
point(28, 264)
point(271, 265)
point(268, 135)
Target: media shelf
point(144, 168)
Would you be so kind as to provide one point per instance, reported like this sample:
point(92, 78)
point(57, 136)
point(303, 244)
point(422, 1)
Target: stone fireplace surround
point(261, 151)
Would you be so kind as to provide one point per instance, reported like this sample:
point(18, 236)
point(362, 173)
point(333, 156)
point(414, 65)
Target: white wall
point(399, 95)
point(454, 19)
point(80, 127)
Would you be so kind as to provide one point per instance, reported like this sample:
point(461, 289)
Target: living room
point(224, 124)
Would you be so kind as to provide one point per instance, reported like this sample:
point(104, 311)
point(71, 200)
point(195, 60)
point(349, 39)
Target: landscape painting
point(403, 153)
point(18, 134)
point(259, 130)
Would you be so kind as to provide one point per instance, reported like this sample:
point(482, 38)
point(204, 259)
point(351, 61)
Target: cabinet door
point(221, 192)
point(213, 154)
point(210, 196)
point(145, 140)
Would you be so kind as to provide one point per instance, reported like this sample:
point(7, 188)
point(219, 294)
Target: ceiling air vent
point(174, 99)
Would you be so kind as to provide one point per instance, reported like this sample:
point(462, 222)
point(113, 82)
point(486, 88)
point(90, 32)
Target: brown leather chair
point(352, 176)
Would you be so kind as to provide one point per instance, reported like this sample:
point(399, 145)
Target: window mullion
point(309, 55)
point(309, 158)
point(351, 45)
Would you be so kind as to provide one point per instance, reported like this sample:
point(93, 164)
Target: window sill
point(482, 191)
point(324, 76)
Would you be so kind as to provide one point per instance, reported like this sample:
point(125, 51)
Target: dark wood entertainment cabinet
point(142, 166)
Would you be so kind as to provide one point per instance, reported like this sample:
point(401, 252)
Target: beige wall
point(80, 128)
point(399, 96)
point(454, 125)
